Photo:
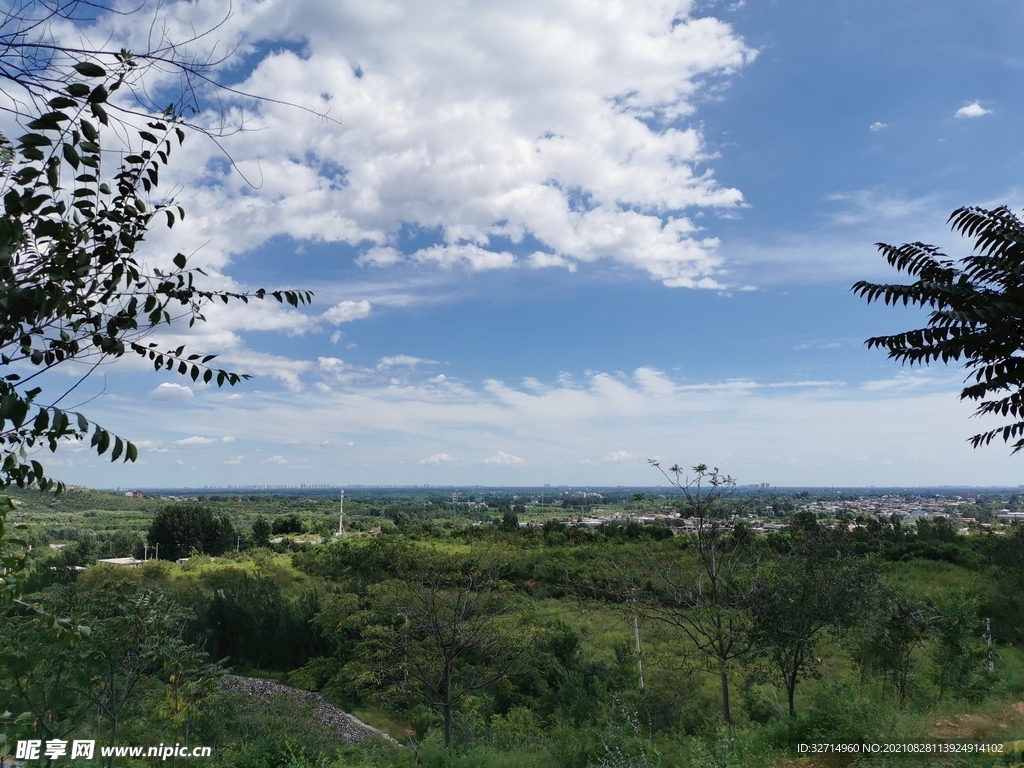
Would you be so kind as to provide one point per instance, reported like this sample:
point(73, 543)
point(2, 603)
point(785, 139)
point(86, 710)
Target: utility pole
point(238, 543)
point(341, 515)
point(455, 513)
point(639, 660)
point(145, 551)
point(988, 642)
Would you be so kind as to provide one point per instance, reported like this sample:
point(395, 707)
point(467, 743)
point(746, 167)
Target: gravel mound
point(351, 728)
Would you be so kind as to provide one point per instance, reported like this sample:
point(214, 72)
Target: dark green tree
point(811, 587)
point(180, 528)
point(976, 315)
point(447, 627)
point(959, 651)
point(290, 523)
point(260, 532)
point(892, 635)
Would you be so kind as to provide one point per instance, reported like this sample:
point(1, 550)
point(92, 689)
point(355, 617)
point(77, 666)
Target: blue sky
point(550, 243)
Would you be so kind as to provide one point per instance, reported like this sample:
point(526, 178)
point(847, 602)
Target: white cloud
point(436, 459)
point(196, 440)
point(171, 391)
point(475, 257)
point(654, 381)
point(877, 126)
point(276, 460)
point(477, 124)
point(875, 205)
point(504, 459)
point(331, 364)
point(621, 456)
point(409, 360)
point(541, 260)
point(347, 311)
point(815, 430)
point(234, 460)
point(381, 257)
point(974, 109)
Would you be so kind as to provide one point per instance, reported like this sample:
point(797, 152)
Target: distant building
point(125, 562)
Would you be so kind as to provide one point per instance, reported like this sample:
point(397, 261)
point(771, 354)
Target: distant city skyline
point(549, 242)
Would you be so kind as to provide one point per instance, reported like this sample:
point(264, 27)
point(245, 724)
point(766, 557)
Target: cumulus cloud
point(347, 311)
point(504, 459)
point(234, 460)
point(877, 126)
point(171, 391)
point(276, 460)
point(473, 256)
point(436, 459)
point(473, 124)
point(974, 109)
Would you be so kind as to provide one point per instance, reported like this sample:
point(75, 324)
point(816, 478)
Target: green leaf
point(71, 156)
point(99, 95)
point(118, 448)
point(132, 453)
point(104, 441)
point(100, 113)
point(90, 131)
point(180, 261)
point(48, 122)
point(35, 140)
point(89, 69)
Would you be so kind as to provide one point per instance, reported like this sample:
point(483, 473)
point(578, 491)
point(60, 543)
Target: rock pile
point(351, 728)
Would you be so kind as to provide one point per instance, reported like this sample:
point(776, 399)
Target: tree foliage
point(178, 529)
point(137, 641)
point(813, 586)
point(445, 630)
point(977, 313)
point(73, 291)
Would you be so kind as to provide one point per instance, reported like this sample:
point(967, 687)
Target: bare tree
point(703, 587)
point(46, 45)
